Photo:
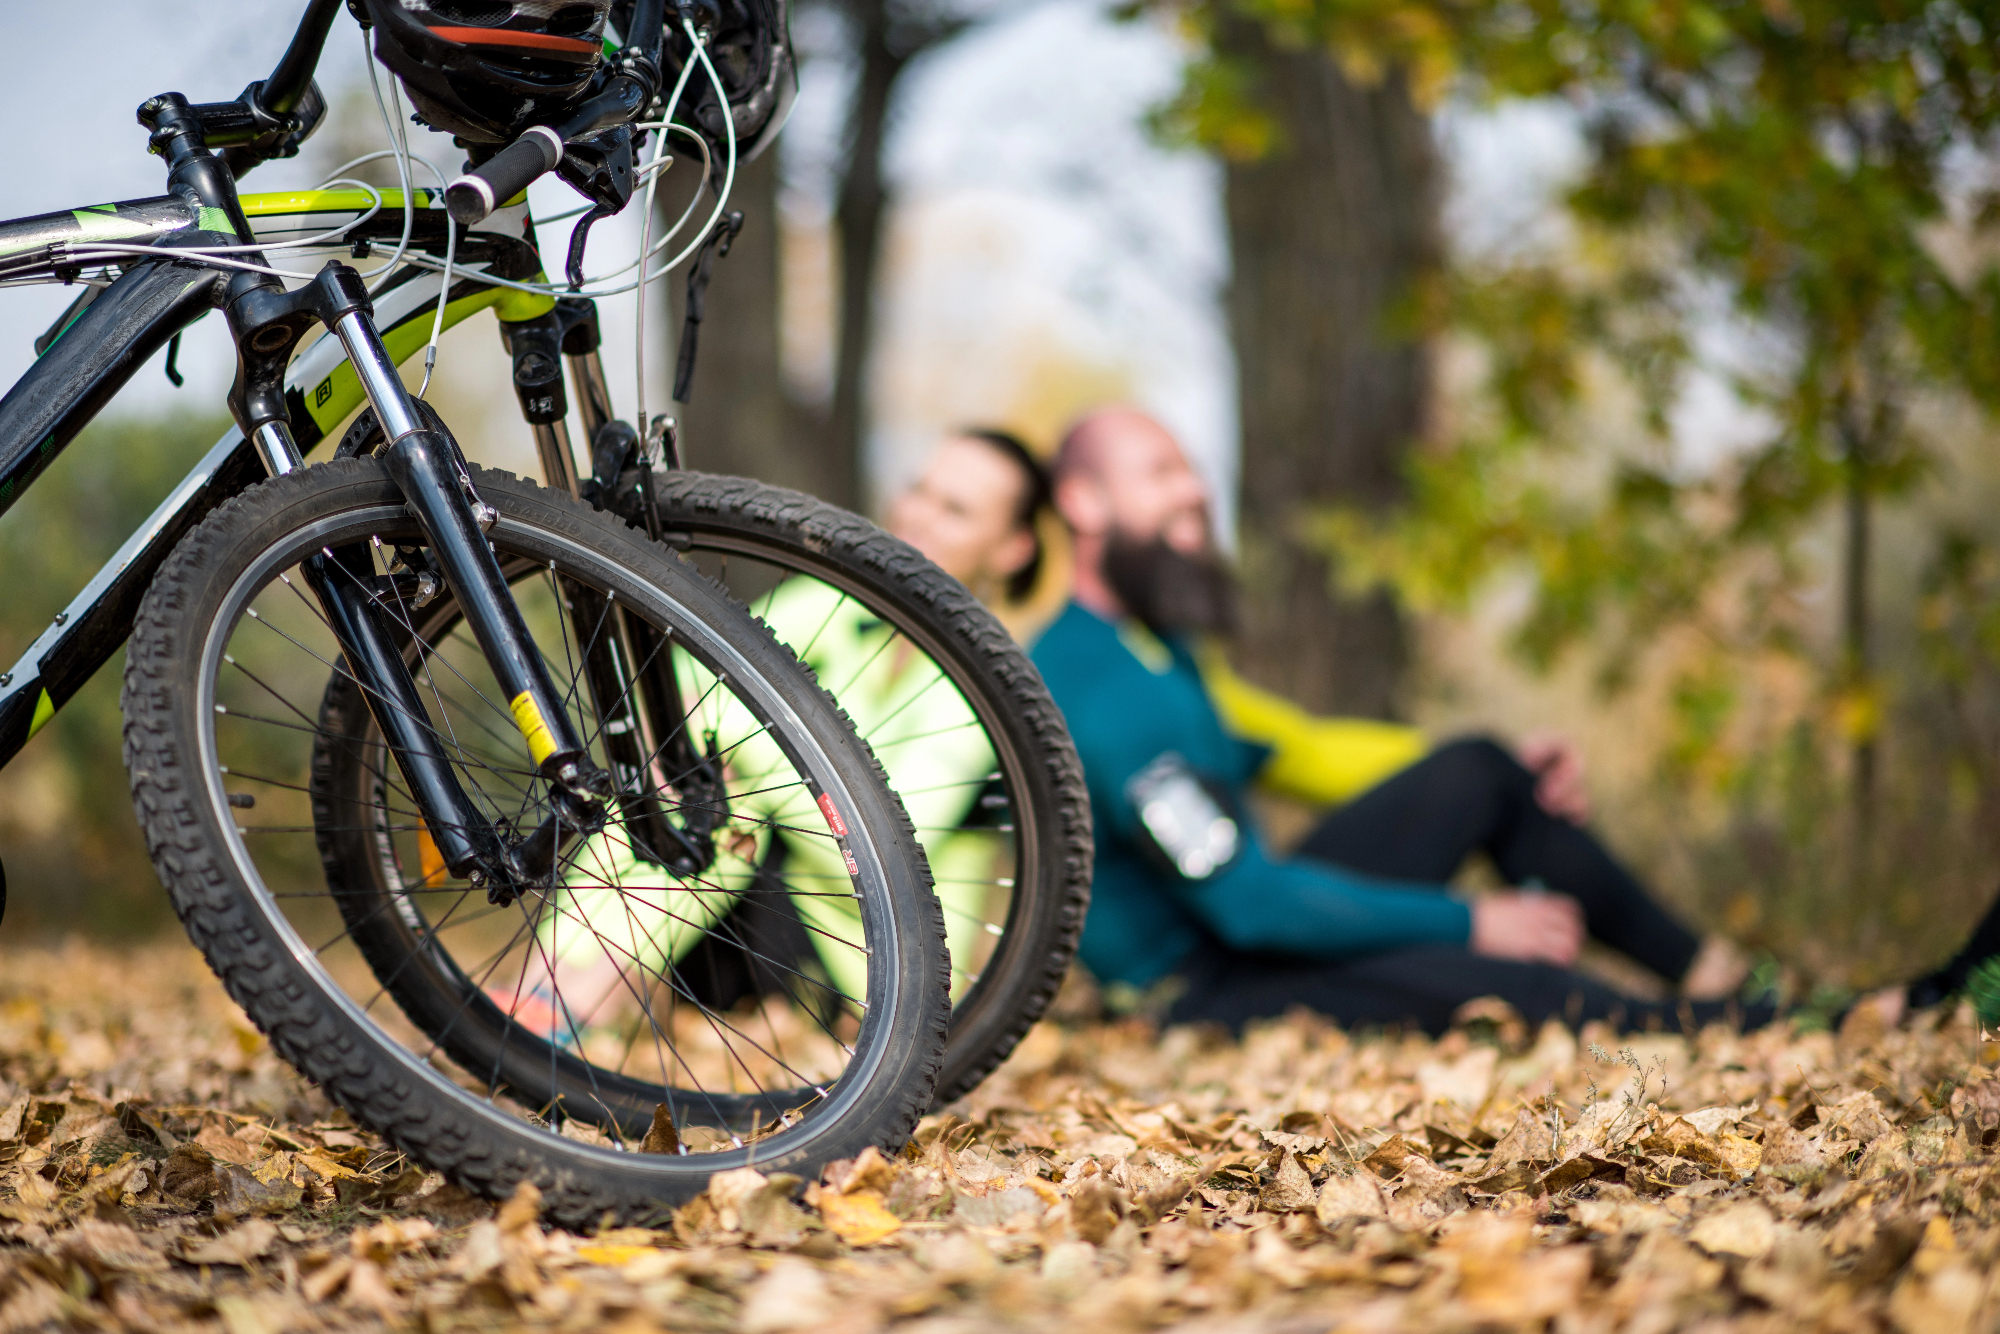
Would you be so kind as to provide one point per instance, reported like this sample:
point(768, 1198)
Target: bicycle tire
point(999, 996)
point(1050, 805)
point(475, 1138)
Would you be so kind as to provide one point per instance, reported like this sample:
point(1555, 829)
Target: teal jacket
point(1124, 712)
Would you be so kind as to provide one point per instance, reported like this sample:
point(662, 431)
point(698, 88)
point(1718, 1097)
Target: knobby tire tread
point(299, 1021)
point(841, 536)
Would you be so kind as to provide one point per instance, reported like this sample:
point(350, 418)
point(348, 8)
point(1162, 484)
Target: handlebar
point(513, 169)
point(291, 81)
point(634, 80)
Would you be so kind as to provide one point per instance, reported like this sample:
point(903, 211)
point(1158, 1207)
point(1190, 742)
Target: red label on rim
point(832, 814)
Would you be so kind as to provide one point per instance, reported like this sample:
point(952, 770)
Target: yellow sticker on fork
point(541, 742)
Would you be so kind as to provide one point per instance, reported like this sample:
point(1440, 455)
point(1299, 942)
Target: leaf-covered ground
point(162, 1170)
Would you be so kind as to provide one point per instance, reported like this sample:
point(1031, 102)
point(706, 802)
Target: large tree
point(740, 419)
point(887, 35)
point(1332, 224)
point(1821, 173)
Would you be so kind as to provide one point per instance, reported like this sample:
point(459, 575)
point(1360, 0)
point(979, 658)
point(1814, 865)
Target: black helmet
point(484, 70)
point(750, 42)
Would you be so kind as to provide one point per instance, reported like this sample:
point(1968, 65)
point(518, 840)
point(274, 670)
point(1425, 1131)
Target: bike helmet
point(750, 42)
point(484, 70)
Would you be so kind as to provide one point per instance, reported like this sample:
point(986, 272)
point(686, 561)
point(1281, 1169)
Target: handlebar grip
point(513, 169)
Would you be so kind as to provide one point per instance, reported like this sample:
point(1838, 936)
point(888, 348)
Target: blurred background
point(1548, 372)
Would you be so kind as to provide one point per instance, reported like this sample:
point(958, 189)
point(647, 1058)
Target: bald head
point(1120, 471)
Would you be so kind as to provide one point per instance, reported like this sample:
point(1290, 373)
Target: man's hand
point(1534, 928)
point(1558, 769)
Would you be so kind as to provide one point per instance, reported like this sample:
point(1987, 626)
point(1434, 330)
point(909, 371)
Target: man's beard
point(1171, 592)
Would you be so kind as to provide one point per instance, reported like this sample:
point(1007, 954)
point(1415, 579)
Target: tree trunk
point(859, 212)
point(738, 419)
point(1857, 640)
point(1328, 235)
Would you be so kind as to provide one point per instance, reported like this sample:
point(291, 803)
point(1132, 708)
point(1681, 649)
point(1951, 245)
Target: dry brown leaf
point(1501, 1279)
point(1566, 1175)
point(1290, 1189)
point(107, 1247)
point(1712, 1121)
point(1676, 1138)
point(266, 1313)
point(758, 1206)
point(1425, 1193)
point(1465, 1081)
point(792, 1294)
point(1355, 1196)
point(1530, 1140)
point(239, 1194)
point(187, 1178)
point(1095, 1208)
point(867, 1171)
point(224, 1146)
point(1740, 1157)
point(368, 1287)
point(1521, 1176)
point(1387, 1160)
point(522, 1210)
point(858, 1218)
point(323, 1282)
point(995, 1209)
point(661, 1136)
point(1859, 1118)
point(1744, 1229)
point(252, 1241)
point(392, 1237)
point(12, 1119)
point(1943, 1290)
point(1790, 1156)
point(325, 1166)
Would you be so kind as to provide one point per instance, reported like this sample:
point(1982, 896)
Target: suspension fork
point(438, 491)
point(267, 323)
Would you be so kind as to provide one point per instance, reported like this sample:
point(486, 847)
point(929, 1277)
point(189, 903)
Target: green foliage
point(73, 854)
point(1983, 989)
point(1812, 176)
point(1789, 160)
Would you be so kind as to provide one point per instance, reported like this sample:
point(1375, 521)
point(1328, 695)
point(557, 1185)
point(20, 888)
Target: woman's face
point(961, 514)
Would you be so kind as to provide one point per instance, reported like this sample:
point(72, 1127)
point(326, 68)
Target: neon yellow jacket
point(1322, 761)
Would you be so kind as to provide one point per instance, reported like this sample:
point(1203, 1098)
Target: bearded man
point(1360, 924)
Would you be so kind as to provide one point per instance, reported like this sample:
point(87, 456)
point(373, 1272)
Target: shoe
point(536, 1013)
point(1974, 972)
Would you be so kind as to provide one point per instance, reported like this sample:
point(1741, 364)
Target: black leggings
point(1421, 824)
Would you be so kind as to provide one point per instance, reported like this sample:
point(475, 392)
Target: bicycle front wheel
point(556, 1036)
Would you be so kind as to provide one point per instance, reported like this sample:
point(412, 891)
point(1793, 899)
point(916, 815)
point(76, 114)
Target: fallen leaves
point(164, 1170)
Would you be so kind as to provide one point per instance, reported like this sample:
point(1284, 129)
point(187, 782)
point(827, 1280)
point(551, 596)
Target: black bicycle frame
point(107, 338)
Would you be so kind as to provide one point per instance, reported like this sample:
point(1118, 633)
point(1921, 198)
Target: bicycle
point(427, 585)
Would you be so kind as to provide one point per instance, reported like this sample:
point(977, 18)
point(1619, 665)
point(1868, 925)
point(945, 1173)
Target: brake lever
point(600, 169)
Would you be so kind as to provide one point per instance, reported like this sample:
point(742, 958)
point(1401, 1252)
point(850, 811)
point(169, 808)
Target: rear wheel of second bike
point(556, 1037)
point(958, 716)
